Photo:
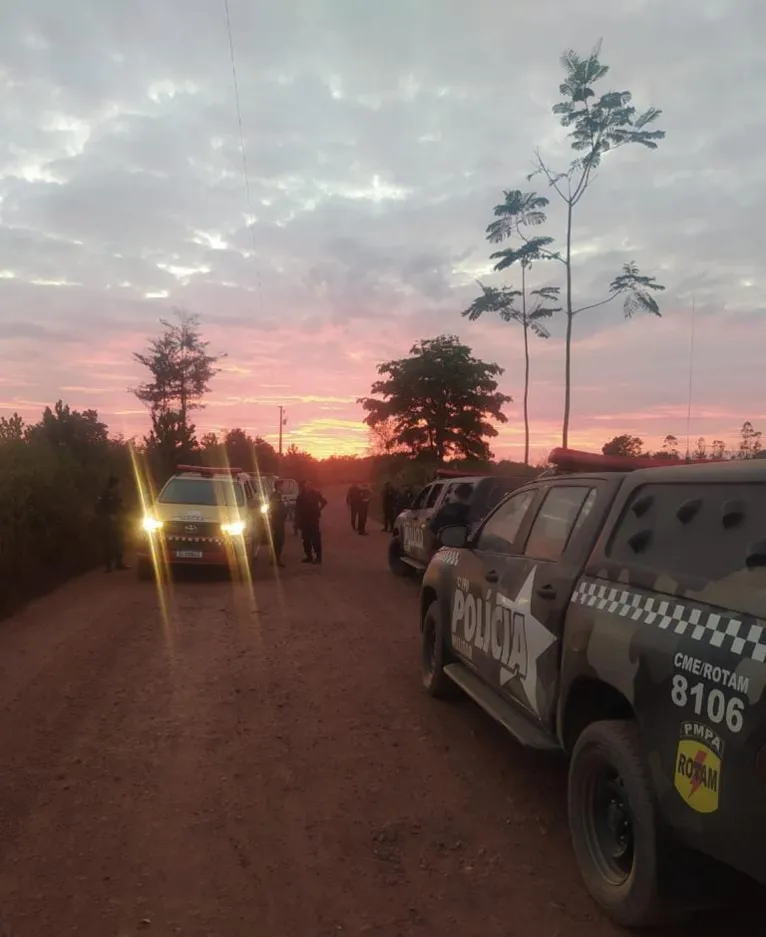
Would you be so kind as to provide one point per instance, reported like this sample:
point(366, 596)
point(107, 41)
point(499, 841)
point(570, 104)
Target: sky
point(377, 139)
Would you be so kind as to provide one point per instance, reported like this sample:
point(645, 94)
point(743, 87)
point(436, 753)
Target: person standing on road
point(277, 521)
point(309, 507)
point(389, 507)
point(363, 501)
point(352, 501)
point(111, 512)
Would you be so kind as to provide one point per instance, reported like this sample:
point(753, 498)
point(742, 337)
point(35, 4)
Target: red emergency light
point(575, 460)
point(208, 471)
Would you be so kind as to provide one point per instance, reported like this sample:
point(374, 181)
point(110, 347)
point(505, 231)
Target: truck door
point(427, 540)
point(480, 626)
point(409, 524)
point(536, 582)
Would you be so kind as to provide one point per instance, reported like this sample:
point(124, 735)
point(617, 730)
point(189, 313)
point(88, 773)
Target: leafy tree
point(516, 212)
point(624, 445)
point(209, 442)
point(12, 428)
point(383, 438)
point(750, 441)
point(597, 125)
point(718, 449)
point(669, 449)
point(299, 464)
point(77, 431)
point(440, 399)
point(181, 369)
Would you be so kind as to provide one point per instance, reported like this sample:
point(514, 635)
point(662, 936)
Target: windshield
point(202, 491)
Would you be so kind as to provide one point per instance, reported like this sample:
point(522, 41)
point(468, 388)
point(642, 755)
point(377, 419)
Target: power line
point(243, 150)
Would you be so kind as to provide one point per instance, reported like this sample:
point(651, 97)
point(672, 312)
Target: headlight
point(150, 524)
point(264, 509)
point(235, 529)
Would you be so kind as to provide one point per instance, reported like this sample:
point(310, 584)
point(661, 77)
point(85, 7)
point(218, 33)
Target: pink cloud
point(629, 377)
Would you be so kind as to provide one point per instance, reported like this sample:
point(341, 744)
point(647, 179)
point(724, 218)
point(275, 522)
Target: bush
point(48, 527)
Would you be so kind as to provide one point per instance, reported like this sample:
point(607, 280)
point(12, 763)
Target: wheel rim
point(609, 825)
point(429, 647)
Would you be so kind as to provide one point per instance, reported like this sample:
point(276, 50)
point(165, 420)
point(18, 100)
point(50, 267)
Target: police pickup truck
point(617, 611)
point(413, 543)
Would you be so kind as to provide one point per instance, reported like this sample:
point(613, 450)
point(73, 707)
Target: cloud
point(377, 141)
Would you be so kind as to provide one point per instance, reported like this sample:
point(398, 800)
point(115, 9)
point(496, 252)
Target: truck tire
point(395, 564)
point(613, 824)
point(433, 656)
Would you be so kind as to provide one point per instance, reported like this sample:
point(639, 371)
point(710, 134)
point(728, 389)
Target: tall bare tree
point(516, 212)
point(597, 126)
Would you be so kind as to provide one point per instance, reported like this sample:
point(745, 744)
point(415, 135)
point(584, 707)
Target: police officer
point(111, 511)
point(308, 508)
point(389, 498)
point(363, 506)
point(352, 500)
point(277, 521)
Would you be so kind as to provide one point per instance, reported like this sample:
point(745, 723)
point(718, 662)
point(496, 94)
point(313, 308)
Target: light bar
point(206, 470)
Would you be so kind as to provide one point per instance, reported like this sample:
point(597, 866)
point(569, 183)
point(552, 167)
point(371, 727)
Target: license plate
point(188, 554)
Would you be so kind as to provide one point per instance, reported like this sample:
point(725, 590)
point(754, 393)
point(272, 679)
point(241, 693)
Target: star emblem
point(537, 640)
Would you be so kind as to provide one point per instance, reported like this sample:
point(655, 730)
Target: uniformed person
point(352, 501)
point(363, 506)
point(111, 512)
point(389, 499)
point(277, 521)
point(309, 506)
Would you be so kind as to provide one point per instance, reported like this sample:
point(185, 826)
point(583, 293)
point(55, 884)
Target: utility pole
point(282, 422)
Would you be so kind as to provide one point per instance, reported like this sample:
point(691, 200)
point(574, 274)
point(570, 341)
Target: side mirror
point(453, 536)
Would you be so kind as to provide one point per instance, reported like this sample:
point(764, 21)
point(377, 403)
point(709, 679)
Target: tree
point(700, 451)
point(383, 438)
point(248, 453)
point(596, 127)
point(181, 370)
point(718, 449)
point(669, 449)
point(517, 211)
point(12, 428)
point(750, 441)
point(75, 430)
point(624, 445)
point(440, 399)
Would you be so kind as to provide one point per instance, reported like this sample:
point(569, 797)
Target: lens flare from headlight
point(264, 509)
point(150, 524)
point(234, 529)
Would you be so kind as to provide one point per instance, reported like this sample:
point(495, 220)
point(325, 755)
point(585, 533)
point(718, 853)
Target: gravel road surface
point(263, 763)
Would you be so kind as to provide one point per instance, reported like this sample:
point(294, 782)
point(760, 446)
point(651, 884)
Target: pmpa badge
point(698, 767)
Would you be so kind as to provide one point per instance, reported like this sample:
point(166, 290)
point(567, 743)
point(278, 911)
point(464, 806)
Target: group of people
point(307, 518)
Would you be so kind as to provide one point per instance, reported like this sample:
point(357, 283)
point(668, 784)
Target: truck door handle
point(492, 576)
point(546, 592)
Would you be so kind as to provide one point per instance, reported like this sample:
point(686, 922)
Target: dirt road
point(262, 764)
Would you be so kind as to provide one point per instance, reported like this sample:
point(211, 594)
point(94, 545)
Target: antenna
point(691, 382)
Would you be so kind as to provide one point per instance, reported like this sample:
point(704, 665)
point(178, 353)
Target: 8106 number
point(709, 703)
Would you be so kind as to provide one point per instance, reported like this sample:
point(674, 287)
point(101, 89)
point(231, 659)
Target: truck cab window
point(556, 521)
point(500, 531)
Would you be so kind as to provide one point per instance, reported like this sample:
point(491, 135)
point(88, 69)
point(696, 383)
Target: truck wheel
point(395, 564)
point(433, 656)
point(144, 570)
point(613, 823)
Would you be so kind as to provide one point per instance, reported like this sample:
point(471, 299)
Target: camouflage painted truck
point(413, 542)
point(616, 610)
